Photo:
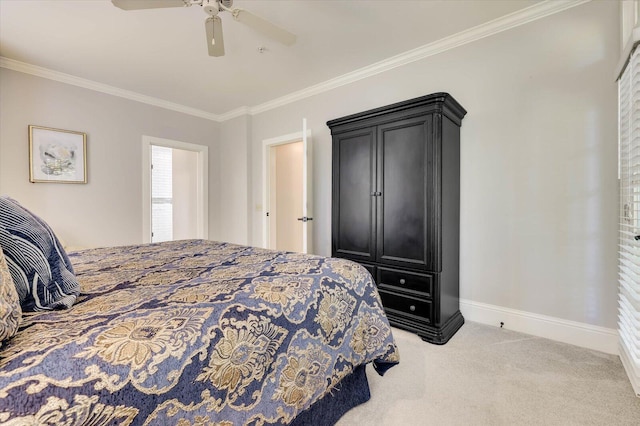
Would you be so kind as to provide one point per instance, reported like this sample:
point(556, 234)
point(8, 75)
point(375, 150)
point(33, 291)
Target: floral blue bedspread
point(194, 332)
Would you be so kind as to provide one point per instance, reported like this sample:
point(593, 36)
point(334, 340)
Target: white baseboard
point(576, 333)
point(632, 369)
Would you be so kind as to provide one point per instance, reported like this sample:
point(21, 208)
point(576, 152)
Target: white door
point(285, 199)
point(300, 224)
point(307, 190)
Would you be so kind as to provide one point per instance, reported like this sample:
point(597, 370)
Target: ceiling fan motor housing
point(212, 7)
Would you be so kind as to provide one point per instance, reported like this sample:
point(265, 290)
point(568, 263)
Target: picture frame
point(57, 155)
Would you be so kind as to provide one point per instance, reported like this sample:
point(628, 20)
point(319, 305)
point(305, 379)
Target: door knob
point(305, 219)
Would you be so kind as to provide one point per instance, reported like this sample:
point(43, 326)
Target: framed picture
point(56, 155)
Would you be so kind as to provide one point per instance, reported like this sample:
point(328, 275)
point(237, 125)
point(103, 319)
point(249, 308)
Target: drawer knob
point(412, 308)
point(402, 281)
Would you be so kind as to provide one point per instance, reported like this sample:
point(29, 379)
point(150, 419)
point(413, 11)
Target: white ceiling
point(162, 52)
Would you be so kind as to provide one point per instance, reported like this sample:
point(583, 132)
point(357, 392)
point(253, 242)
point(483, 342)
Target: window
point(175, 200)
point(629, 223)
point(161, 194)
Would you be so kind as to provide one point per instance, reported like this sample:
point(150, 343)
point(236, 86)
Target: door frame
point(267, 144)
point(202, 183)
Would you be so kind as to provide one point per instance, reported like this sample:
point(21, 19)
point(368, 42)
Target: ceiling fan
point(213, 23)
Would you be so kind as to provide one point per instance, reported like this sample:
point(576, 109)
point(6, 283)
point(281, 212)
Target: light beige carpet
point(490, 376)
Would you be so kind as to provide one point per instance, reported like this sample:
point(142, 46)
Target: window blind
point(161, 194)
point(629, 246)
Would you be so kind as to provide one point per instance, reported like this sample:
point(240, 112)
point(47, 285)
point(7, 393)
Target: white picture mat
point(57, 155)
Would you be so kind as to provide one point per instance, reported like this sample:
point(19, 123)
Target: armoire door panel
point(355, 213)
point(404, 179)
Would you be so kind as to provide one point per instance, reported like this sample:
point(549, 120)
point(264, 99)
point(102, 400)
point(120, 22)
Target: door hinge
point(267, 214)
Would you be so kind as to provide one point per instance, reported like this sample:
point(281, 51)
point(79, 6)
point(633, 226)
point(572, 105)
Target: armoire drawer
point(406, 305)
point(393, 279)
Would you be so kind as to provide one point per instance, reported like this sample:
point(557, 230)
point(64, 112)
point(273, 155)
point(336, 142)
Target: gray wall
point(234, 173)
point(108, 210)
point(539, 159)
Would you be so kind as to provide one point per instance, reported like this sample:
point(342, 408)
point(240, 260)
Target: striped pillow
point(41, 271)
point(10, 311)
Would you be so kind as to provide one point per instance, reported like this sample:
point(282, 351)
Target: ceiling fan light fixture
point(213, 23)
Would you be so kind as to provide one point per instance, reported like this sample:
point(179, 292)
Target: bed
point(198, 332)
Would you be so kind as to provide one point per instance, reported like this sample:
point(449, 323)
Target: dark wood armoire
point(396, 208)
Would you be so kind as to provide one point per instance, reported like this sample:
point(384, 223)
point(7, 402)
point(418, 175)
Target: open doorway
point(287, 192)
point(285, 196)
point(175, 202)
point(174, 194)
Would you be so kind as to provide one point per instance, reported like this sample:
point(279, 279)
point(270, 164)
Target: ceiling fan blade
point(264, 26)
point(215, 41)
point(148, 4)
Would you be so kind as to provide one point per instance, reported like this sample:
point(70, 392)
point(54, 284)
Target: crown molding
point(234, 113)
point(504, 23)
point(26, 68)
